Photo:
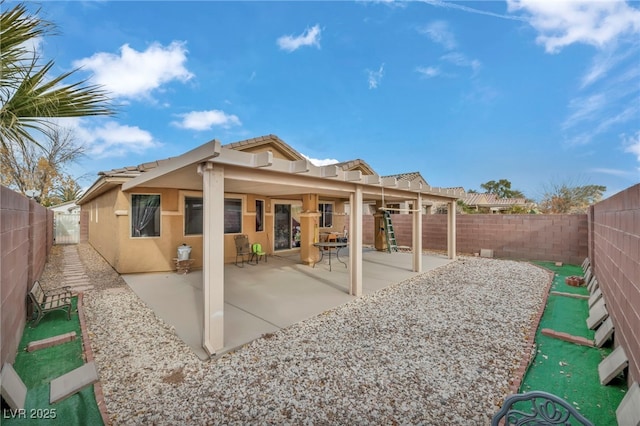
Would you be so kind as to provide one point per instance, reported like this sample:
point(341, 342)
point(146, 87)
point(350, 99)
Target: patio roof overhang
point(261, 173)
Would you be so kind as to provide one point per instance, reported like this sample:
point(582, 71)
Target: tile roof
point(265, 140)
point(133, 171)
point(486, 198)
point(357, 164)
point(411, 176)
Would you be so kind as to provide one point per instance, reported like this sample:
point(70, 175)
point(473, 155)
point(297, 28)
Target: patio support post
point(417, 235)
point(355, 242)
point(309, 220)
point(213, 256)
point(451, 229)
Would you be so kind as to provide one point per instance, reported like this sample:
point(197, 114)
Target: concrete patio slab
point(269, 296)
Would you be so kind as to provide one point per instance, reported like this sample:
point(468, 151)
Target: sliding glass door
point(286, 226)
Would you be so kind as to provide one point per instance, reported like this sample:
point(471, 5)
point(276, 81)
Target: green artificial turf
point(568, 370)
point(38, 368)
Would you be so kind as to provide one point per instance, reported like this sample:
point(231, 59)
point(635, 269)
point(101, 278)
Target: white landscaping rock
point(439, 348)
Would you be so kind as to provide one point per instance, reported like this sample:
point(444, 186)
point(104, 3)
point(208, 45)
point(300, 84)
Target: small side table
point(183, 266)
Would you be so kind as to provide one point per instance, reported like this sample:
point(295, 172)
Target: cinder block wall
point(615, 259)
point(532, 237)
point(26, 233)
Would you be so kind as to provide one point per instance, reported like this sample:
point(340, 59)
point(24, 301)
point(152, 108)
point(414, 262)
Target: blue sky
point(536, 92)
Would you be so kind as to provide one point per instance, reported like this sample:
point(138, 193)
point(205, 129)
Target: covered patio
point(263, 298)
point(218, 171)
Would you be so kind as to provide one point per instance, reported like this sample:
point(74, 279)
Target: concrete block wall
point(615, 259)
point(532, 237)
point(26, 235)
point(368, 233)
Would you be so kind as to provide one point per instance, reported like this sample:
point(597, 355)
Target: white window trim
point(182, 194)
point(243, 210)
point(333, 212)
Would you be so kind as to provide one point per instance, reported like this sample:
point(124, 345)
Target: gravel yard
point(439, 348)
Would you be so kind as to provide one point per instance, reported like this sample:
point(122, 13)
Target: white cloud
point(105, 138)
point(585, 109)
point(461, 60)
point(608, 61)
point(438, 32)
point(115, 140)
point(601, 65)
point(310, 37)
point(320, 163)
point(561, 23)
point(205, 120)
point(612, 172)
point(450, 5)
point(428, 72)
point(601, 111)
point(133, 74)
point(401, 4)
point(374, 77)
point(632, 144)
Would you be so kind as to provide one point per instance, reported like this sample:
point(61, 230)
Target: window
point(192, 216)
point(232, 216)
point(145, 215)
point(259, 215)
point(326, 215)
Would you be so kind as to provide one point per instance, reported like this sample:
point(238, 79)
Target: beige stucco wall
point(340, 220)
point(110, 229)
point(103, 225)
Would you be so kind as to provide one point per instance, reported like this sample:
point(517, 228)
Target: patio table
point(329, 246)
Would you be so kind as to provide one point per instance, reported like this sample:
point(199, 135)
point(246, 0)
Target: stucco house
point(261, 187)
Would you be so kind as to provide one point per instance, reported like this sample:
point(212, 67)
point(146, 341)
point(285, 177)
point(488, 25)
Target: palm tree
point(29, 96)
point(69, 190)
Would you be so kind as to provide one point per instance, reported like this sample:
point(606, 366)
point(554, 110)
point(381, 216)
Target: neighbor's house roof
point(65, 207)
point(491, 200)
point(270, 166)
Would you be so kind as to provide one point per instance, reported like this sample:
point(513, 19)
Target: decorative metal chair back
point(242, 248)
point(538, 408)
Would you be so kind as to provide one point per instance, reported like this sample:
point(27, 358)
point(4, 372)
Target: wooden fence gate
point(67, 228)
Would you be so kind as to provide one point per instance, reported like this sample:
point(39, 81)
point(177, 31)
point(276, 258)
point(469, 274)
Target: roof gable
point(410, 177)
point(356, 165)
point(278, 147)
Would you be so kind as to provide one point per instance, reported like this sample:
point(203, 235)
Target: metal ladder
point(392, 245)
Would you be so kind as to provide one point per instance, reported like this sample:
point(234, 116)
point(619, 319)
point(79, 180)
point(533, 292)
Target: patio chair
point(44, 302)
point(537, 407)
point(242, 249)
point(256, 251)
